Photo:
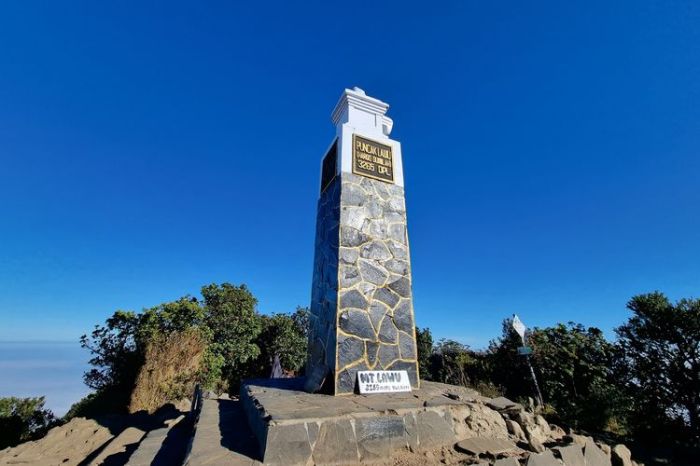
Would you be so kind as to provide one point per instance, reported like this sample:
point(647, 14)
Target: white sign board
point(383, 381)
point(519, 327)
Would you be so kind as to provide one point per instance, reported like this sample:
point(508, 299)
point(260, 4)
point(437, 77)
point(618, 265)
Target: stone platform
point(295, 427)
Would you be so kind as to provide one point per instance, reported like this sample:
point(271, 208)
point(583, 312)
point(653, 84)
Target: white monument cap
point(356, 113)
point(366, 114)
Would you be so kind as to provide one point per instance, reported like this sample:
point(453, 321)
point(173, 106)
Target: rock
point(525, 419)
point(377, 311)
point(543, 426)
point(350, 349)
point(543, 459)
point(371, 273)
point(536, 445)
point(357, 323)
point(593, 455)
point(556, 432)
point(606, 449)
point(535, 435)
point(407, 346)
point(348, 255)
point(515, 429)
point(579, 440)
point(403, 317)
point(433, 429)
point(378, 437)
point(572, 455)
point(387, 331)
point(386, 296)
point(336, 443)
point(351, 237)
point(502, 403)
point(354, 299)
point(621, 456)
point(388, 354)
point(485, 422)
point(401, 286)
point(505, 462)
point(375, 250)
point(484, 445)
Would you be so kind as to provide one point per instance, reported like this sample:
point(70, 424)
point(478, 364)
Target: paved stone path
point(222, 436)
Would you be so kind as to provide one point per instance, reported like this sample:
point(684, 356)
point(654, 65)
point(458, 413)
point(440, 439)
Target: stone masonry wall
point(361, 238)
point(375, 310)
point(324, 293)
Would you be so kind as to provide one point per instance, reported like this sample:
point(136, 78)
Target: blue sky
point(551, 154)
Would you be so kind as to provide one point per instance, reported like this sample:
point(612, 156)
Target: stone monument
point(361, 300)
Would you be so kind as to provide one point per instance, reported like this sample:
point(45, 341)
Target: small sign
point(383, 381)
point(372, 159)
point(519, 327)
point(524, 350)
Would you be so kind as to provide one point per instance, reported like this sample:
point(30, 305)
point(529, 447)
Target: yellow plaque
point(372, 159)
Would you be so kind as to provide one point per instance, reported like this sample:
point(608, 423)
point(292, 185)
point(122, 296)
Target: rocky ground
point(493, 432)
point(139, 439)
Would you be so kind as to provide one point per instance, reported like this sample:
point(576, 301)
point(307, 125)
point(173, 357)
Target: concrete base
point(295, 427)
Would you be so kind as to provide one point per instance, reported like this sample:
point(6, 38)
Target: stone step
point(163, 446)
point(149, 447)
point(222, 436)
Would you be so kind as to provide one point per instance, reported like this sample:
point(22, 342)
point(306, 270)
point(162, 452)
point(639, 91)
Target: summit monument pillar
point(361, 313)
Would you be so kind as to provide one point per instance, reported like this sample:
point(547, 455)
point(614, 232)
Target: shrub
point(171, 368)
point(23, 419)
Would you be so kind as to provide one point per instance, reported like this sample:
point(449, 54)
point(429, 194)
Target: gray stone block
point(357, 323)
point(287, 444)
point(336, 443)
point(433, 430)
point(407, 346)
point(377, 437)
point(350, 350)
point(375, 250)
point(403, 317)
point(388, 354)
point(353, 299)
point(372, 273)
point(387, 331)
point(386, 296)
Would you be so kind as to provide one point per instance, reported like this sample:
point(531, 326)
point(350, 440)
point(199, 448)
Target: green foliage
point(660, 366)
point(23, 419)
point(240, 343)
point(424, 344)
point(574, 368)
point(449, 361)
point(286, 336)
point(235, 325)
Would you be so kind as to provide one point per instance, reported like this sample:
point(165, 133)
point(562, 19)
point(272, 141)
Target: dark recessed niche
point(328, 167)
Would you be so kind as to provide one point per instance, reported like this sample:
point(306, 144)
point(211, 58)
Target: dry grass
point(169, 372)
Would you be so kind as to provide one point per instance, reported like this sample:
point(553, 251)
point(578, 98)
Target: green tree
point(424, 344)
point(504, 367)
point(660, 365)
point(449, 361)
point(574, 368)
point(283, 335)
point(235, 325)
point(23, 419)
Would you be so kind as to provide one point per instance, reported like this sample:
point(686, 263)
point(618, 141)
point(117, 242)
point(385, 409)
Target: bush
point(23, 419)
point(170, 371)
point(142, 359)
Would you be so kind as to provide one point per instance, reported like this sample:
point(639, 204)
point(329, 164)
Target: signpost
point(526, 351)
